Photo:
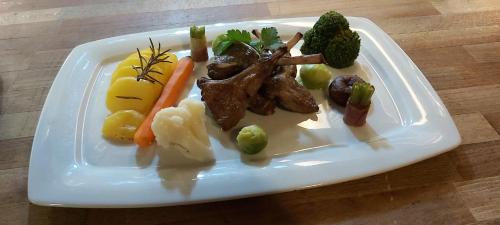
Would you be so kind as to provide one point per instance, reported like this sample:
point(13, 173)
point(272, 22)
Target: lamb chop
point(284, 89)
point(239, 56)
point(289, 94)
point(228, 99)
point(262, 103)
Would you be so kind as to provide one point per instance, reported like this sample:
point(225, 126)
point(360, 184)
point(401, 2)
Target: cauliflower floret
point(184, 126)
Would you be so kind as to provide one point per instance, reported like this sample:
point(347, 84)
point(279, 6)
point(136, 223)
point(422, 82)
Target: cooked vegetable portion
point(315, 76)
point(121, 125)
point(198, 44)
point(330, 23)
point(358, 104)
point(126, 67)
point(171, 92)
point(332, 37)
point(342, 49)
point(135, 86)
point(220, 44)
point(128, 93)
point(361, 94)
point(341, 87)
point(251, 139)
point(184, 126)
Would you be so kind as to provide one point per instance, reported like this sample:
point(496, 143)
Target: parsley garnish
point(269, 40)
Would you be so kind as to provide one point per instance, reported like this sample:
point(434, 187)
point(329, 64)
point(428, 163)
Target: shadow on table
point(1, 93)
point(400, 195)
point(326, 205)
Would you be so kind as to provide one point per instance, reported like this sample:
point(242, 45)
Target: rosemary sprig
point(145, 69)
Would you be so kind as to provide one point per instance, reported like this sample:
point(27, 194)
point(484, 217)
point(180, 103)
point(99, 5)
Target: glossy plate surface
point(72, 165)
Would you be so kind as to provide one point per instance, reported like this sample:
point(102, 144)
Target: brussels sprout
point(251, 139)
point(315, 76)
point(220, 44)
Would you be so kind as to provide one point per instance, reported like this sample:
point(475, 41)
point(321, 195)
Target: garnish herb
point(269, 40)
point(224, 41)
point(145, 69)
point(237, 35)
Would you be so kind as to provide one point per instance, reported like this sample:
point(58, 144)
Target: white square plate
point(73, 166)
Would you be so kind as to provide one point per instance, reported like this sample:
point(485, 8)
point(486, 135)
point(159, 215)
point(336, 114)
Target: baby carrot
point(144, 135)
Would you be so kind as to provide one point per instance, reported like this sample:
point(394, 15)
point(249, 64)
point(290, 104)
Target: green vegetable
point(257, 45)
point(197, 32)
point(251, 139)
point(312, 43)
point(269, 39)
point(330, 24)
point(315, 76)
point(361, 94)
point(237, 35)
point(332, 37)
point(222, 42)
point(343, 49)
point(198, 45)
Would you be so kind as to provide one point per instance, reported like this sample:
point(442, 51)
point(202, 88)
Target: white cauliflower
point(184, 126)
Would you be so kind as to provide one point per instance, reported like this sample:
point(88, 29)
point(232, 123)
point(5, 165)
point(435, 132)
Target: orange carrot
point(144, 135)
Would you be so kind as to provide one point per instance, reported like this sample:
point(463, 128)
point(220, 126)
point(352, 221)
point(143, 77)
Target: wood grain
point(476, 161)
point(486, 52)
point(454, 42)
point(474, 128)
point(482, 197)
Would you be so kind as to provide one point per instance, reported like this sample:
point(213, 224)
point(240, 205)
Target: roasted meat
point(261, 104)
point(236, 58)
point(243, 81)
point(239, 56)
point(224, 66)
point(282, 86)
point(303, 59)
point(289, 94)
point(228, 99)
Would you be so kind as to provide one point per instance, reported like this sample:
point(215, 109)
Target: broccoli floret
point(313, 43)
point(343, 49)
point(330, 23)
point(332, 37)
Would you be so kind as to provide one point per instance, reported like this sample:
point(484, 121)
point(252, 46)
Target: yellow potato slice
point(128, 93)
point(121, 125)
point(168, 68)
point(125, 68)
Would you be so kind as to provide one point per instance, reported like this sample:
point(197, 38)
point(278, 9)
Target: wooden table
point(456, 43)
